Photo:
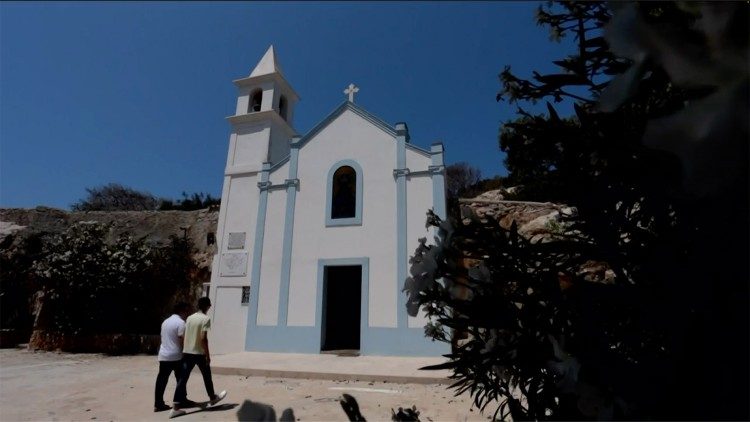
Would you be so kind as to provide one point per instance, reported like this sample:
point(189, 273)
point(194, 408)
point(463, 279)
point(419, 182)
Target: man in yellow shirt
point(195, 352)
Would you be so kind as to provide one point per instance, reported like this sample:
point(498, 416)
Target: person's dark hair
point(180, 307)
point(204, 303)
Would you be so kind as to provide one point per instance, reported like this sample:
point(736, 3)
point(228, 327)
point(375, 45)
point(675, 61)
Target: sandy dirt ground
point(42, 386)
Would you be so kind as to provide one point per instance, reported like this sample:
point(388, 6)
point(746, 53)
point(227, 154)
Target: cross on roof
point(351, 90)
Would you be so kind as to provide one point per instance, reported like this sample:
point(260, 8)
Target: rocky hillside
point(155, 226)
point(536, 221)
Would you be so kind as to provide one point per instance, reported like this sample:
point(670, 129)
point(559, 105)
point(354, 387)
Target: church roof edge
point(418, 149)
point(346, 105)
point(375, 120)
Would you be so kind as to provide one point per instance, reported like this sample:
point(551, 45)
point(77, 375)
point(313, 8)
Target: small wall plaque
point(234, 264)
point(236, 240)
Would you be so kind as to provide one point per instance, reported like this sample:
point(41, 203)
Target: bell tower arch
point(262, 124)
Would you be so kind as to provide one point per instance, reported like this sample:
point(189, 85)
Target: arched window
point(344, 194)
point(283, 106)
point(344, 198)
point(256, 99)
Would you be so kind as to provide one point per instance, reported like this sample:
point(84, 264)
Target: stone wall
point(113, 344)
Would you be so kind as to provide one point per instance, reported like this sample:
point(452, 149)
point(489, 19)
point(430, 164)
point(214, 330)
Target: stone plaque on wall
point(234, 264)
point(236, 240)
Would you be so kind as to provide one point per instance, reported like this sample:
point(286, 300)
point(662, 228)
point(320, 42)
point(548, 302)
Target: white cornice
point(262, 117)
point(241, 169)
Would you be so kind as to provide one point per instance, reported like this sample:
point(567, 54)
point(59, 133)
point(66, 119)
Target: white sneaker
point(219, 397)
point(176, 412)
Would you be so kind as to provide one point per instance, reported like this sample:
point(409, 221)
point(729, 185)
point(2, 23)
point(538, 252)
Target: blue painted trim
point(357, 219)
point(286, 251)
point(375, 120)
point(279, 339)
point(377, 341)
point(260, 226)
point(417, 149)
point(437, 151)
point(347, 105)
point(280, 163)
point(380, 341)
point(401, 252)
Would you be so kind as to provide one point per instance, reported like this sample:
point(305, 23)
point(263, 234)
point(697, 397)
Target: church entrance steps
point(395, 369)
point(342, 352)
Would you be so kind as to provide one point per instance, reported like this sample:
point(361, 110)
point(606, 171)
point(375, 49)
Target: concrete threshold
point(394, 369)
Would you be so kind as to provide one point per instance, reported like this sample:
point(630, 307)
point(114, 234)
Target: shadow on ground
point(261, 412)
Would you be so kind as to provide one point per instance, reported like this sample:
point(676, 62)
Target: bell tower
point(262, 123)
point(261, 134)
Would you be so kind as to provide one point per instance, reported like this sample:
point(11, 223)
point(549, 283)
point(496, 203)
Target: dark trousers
point(188, 363)
point(166, 367)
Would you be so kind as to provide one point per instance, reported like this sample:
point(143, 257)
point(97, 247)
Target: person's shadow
point(225, 406)
point(261, 412)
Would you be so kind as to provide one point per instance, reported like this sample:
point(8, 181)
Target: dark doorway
point(342, 293)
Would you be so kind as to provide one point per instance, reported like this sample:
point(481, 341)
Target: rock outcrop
point(155, 226)
point(536, 221)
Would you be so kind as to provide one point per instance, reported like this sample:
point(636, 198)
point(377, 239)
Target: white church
point(315, 231)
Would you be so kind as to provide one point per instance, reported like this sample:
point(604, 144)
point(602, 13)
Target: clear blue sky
point(137, 93)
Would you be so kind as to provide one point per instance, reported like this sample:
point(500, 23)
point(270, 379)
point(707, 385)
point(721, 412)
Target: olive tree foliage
point(196, 201)
point(115, 197)
point(459, 177)
point(643, 162)
point(93, 284)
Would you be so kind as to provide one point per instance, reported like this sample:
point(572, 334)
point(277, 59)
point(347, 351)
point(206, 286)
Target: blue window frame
point(344, 194)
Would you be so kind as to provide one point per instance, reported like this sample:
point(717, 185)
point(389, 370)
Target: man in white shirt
point(195, 353)
point(170, 352)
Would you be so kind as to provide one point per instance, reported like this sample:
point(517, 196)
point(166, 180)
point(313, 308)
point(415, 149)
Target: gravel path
point(62, 386)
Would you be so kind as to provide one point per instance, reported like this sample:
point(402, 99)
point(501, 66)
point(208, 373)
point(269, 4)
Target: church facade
point(315, 231)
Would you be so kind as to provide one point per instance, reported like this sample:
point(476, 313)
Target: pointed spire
point(267, 64)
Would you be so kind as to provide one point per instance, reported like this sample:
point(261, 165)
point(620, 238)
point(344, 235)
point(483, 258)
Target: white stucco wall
point(270, 267)
point(270, 97)
point(251, 145)
point(416, 161)
point(238, 214)
point(279, 145)
point(279, 175)
point(347, 137)
point(241, 212)
point(228, 318)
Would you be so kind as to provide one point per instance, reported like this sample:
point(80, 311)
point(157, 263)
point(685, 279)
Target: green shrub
point(92, 286)
point(17, 281)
